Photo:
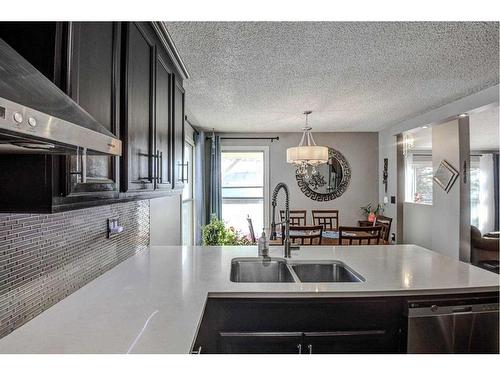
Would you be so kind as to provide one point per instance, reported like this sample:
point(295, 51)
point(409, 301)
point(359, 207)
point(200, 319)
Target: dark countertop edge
point(122, 198)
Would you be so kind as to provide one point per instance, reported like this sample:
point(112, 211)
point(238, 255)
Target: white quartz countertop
point(153, 302)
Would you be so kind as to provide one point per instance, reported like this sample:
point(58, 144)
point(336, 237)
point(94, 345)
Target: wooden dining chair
point(306, 234)
point(384, 221)
point(297, 217)
point(329, 219)
point(360, 235)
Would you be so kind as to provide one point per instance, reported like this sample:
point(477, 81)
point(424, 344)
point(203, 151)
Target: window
point(188, 198)
point(418, 178)
point(244, 181)
point(475, 174)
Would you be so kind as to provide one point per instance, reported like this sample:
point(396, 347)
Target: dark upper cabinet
point(153, 114)
point(42, 44)
point(93, 82)
point(138, 109)
point(124, 75)
point(163, 124)
point(180, 170)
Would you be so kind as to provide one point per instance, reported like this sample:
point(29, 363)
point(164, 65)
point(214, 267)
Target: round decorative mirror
point(329, 181)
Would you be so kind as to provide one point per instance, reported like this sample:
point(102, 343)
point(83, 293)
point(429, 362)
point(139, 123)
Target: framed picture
point(445, 175)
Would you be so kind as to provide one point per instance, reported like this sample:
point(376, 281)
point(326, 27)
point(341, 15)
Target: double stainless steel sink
point(280, 270)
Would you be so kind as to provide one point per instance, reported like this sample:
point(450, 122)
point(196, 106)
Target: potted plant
point(215, 233)
point(371, 213)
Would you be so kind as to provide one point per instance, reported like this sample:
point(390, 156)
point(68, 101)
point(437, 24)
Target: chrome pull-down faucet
point(286, 222)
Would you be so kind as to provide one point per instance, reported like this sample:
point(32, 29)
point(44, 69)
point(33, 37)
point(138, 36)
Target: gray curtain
point(215, 203)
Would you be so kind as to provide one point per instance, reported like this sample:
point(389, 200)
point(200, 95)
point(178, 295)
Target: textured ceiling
point(358, 76)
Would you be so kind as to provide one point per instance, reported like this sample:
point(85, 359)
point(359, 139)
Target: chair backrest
point(385, 222)
point(329, 219)
point(360, 235)
point(306, 234)
point(250, 229)
point(297, 217)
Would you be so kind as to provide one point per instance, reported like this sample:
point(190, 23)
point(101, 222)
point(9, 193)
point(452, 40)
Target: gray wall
point(360, 150)
point(449, 210)
point(388, 149)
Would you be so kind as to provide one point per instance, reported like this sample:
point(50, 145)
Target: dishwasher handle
point(434, 310)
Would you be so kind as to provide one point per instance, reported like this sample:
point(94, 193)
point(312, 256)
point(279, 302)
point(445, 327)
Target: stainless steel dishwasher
point(453, 326)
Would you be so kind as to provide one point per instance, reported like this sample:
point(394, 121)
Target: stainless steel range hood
point(36, 116)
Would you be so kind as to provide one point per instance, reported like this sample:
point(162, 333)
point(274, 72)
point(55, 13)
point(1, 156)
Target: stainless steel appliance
point(37, 117)
point(453, 326)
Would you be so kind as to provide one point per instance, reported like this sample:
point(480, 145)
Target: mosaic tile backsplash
point(44, 258)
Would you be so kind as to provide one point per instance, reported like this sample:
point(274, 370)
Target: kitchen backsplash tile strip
point(44, 258)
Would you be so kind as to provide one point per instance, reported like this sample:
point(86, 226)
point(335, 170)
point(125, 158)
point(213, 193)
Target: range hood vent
point(33, 108)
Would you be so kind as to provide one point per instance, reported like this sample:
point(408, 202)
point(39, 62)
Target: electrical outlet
point(393, 237)
point(114, 227)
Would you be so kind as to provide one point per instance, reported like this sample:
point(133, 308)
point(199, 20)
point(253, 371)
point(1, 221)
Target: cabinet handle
point(181, 172)
point(161, 168)
point(81, 165)
point(310, 347)
point(299, 346)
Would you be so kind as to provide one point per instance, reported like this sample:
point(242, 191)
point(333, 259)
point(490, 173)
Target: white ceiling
point(484, 131)
point(355, 76)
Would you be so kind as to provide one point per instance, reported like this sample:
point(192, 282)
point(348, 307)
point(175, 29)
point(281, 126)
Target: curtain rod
point(272, 139)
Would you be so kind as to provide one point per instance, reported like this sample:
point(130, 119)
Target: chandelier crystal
point(307, 153)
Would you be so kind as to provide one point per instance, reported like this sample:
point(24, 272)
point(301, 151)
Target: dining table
point(328, 237)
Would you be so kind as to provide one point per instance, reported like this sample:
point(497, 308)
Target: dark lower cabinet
point(347, 342)
point(260, 342)
point(338, 342)
point(362, 325)
point(304, 326)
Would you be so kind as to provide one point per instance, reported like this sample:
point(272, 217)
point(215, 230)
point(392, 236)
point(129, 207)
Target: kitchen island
point(154, 302)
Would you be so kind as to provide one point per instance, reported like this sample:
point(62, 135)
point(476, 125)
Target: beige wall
point(360, 150)
point(165, 221)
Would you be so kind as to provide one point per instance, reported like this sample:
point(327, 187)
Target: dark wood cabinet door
point(180, 170)
point(163, 125)
point(42, 44)
point(93, 76)
point(260, 342)
point(138, 109)
point(350, 342)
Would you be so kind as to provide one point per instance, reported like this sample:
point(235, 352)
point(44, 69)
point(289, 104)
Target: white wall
point(360, 150)
point(417, 226)
point(165, 221)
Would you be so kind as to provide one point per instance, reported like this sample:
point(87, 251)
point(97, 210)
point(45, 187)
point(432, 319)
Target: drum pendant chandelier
point(307, 153)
